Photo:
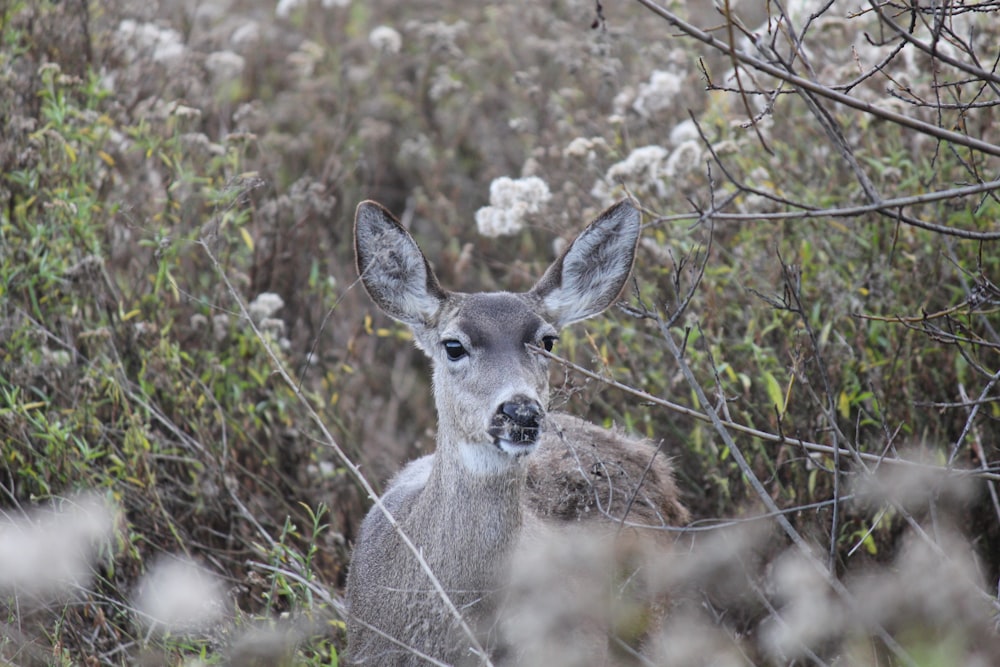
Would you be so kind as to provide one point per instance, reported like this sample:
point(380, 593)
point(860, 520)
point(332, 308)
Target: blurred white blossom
point(510, 201)
point(686, 130)
point(184, 111)
point(685, 159)
point(658, 93)
point(225, 66)
point(416, 151)
point(265, 306)
point(443, 84)
point(286, 7)
point(385, 39)
point(642, 172)
point(245, 35)
point(305, 58)
point(177, 595)
point(220, 326)
point(585, 148)
point(49, 553)
point(810, 612)
point(163, 45)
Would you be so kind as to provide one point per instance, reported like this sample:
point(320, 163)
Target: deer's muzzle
point(517, 422)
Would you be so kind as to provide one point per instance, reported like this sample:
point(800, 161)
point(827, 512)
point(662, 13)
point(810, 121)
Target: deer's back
point(583, 472)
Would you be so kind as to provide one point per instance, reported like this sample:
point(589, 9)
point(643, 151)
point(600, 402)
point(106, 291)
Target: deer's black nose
point(518, 420)
point(523, 411)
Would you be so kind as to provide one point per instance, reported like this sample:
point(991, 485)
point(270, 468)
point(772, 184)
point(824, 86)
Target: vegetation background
point(190, 374)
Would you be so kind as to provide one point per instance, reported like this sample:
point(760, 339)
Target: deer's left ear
point(592, 272)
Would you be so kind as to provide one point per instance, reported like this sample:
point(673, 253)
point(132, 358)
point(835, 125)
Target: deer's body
point(501, 462)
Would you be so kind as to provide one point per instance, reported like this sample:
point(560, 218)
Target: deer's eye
point(548, 342)
point(454, 349)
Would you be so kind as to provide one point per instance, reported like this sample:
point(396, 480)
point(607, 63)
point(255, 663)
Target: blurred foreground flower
point(50, 553)
point(510, 201)
point(177, 595)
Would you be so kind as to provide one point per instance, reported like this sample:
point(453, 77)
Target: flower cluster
point(511, 200)
point(658, 93)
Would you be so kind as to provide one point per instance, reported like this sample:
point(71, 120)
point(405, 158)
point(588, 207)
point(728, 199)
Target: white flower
point(416, 150)
point(493, 222)
point(385, 40)
point(643, 172)
point(265, 305)
point(584, 148)
point(686, 130)
point(658, 93)
point(220, 326)
point(286, 7)
point(444, 84)
point(642, 163)
point(184, 111)
point(511, 200)
point(273, 327)
point(304, 58)
point(50, 553)
point(163, 45)
point(245, 35)
point(179, 595)
point(225, 66)
point(623, 101)
point(683, 160)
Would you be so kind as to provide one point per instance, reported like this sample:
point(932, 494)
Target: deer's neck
point(472, 517)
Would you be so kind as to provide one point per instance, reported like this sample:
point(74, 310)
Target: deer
point(503, 463)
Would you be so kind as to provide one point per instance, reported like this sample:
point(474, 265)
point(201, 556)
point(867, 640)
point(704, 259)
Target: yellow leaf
point(70, 152)
point(108, 160)
point(130, 314)
point(774, 392)
point(844, 405)
point(247, 238)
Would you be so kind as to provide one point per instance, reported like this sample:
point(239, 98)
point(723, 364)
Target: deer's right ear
point(394, 271)
point(591, 274)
